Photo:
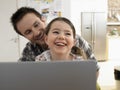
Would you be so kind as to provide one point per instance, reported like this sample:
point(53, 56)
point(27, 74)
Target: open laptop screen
point(70, 75)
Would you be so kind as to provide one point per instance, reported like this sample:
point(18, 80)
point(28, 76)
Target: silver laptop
point(70, 75)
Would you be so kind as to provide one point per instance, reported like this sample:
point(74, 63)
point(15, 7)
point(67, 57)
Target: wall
point(66, 8)
point(9, 41)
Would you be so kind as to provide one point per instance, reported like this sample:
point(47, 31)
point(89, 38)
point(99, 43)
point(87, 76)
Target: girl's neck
point(57, 57)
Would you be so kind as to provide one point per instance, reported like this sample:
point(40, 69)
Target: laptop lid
point(70, 75)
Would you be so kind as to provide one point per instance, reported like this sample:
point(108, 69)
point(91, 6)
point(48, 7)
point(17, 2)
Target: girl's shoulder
point(45, 56)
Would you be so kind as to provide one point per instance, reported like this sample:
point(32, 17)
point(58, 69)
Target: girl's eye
point(68, 34)
point(56, 32)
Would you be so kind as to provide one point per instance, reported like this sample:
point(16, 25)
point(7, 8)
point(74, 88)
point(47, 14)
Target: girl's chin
point(60, 53)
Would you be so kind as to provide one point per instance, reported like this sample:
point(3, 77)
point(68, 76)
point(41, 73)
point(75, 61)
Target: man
point(30, 24)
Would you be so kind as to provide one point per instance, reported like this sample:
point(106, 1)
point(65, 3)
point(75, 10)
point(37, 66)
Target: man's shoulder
point(28, 53)
point(28, 46)
point(80, 41)
point(32, 49)
point(78, 37)
point(31, 46)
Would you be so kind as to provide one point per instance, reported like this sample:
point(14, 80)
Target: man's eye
point(37, 24)
point(27, 32)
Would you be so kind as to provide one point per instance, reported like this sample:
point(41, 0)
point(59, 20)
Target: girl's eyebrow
point(60, 29)
point(55, 29)
point(67, 30)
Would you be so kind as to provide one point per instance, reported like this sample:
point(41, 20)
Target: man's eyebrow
point(35, 22)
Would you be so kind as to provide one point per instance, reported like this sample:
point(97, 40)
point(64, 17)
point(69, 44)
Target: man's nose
point(36, 32)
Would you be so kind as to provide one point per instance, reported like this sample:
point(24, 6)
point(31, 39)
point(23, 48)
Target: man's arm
point(28, 53)
point(86, 47)
point(31, 51)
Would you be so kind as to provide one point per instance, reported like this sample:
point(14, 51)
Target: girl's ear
point(46, 39)
point(74, 41)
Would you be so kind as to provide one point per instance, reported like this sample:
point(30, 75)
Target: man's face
point(32, 28)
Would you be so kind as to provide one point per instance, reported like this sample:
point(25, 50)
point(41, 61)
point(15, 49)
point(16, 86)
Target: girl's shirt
point(46, 56)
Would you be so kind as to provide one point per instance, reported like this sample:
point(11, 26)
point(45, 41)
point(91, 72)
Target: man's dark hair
point(20, 13)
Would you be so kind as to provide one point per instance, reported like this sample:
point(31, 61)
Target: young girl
point(60, 38)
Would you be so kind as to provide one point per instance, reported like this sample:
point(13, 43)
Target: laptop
point(58, 75)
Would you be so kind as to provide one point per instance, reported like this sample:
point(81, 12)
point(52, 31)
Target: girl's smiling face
point(60, 38)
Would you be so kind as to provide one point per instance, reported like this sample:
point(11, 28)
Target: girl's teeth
point(60, 44)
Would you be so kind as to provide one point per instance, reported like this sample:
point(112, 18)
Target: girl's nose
point(61, 36)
